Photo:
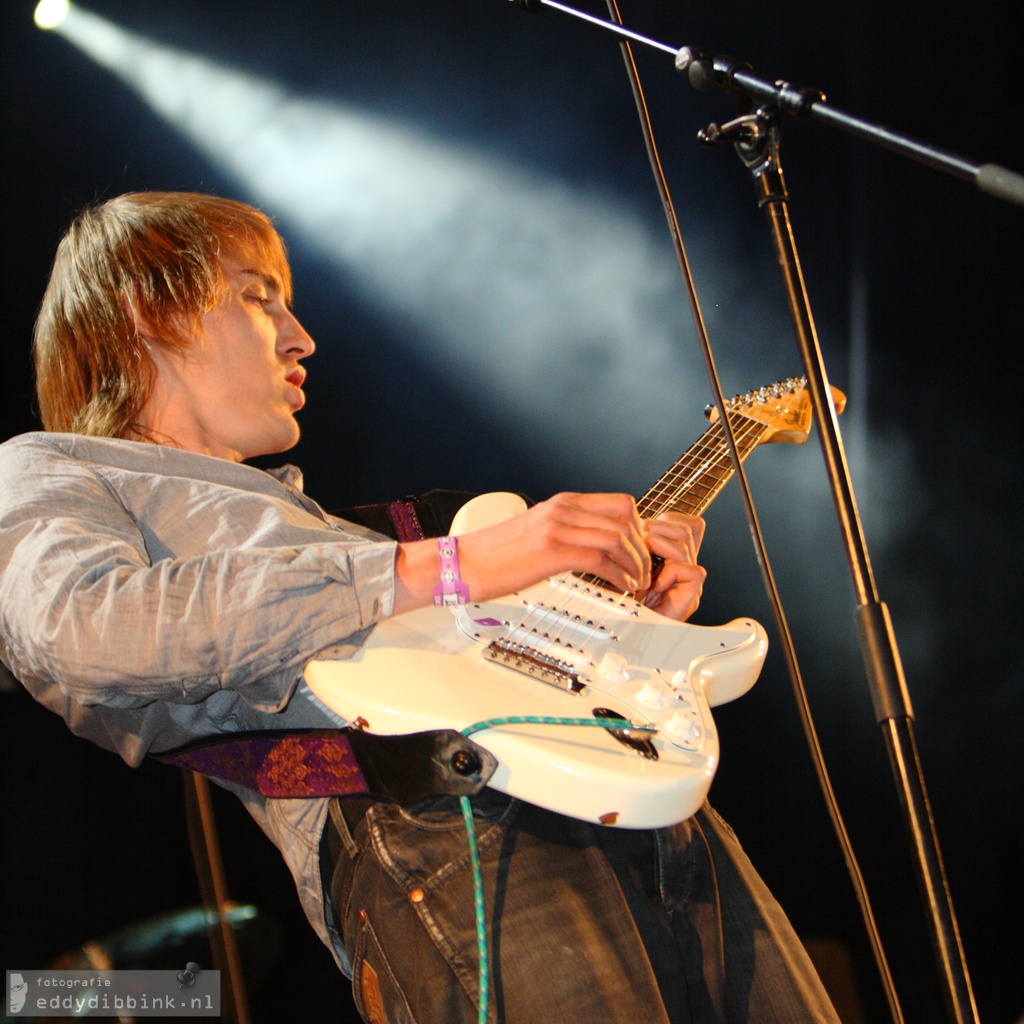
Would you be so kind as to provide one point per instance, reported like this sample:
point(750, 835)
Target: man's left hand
point(678, 584)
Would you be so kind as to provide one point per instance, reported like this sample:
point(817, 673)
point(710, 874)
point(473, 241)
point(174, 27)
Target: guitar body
point(435, 668)
point(569, 648)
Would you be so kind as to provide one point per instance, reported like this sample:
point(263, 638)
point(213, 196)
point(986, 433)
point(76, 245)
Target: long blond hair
point(153, 258)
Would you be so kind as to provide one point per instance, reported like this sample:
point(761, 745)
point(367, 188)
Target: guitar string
point(707, 457)
point(704, 459)
point(557, 629)
point(689, 475)
point(677, 487)
point(751, 423)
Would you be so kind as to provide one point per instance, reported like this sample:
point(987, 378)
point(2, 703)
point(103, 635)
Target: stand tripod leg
point(202, 831)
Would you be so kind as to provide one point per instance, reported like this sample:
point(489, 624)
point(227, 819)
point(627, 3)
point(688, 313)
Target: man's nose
point(294, 340)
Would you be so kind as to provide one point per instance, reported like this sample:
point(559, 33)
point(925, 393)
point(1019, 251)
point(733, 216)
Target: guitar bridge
point(547, 668)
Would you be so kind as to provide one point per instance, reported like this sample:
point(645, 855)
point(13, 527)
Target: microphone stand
point(756, 137)
point(705, 72)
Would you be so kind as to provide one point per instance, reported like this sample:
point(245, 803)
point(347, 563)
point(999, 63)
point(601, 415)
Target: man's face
point(19, 990)
point(235, 391)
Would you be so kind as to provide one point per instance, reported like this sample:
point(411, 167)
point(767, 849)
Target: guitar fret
point(698, 476)
point(696, 479)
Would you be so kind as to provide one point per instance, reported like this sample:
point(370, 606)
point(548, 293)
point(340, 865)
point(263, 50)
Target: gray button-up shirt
point(151, 596)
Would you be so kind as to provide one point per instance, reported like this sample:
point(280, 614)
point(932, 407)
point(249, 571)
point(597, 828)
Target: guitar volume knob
point(651, 697)
point(613, 668)
point(685, 730)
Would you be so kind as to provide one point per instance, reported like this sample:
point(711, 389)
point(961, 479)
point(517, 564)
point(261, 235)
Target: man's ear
point(159, 345)
point(143, 327)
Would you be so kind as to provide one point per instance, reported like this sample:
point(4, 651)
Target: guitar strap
point(414, 518)
point(342, 762)
point(346, 762)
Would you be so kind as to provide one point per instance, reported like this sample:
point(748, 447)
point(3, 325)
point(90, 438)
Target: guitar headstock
point(784, 407)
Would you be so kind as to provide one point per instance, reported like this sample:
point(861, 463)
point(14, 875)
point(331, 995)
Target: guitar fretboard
point(696, 479)
point(698, 476)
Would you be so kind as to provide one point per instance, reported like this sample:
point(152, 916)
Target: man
point(155, 590)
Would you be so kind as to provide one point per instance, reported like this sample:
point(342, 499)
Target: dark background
point(929, 358)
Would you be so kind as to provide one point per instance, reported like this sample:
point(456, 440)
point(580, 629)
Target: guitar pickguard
point(430, 669)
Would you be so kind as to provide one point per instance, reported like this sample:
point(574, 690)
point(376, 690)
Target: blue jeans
point(584, 922)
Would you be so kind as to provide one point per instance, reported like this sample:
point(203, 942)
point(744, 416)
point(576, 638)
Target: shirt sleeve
point(84, 607)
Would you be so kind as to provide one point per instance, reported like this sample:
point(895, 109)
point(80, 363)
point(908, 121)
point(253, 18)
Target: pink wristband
point(451, 590)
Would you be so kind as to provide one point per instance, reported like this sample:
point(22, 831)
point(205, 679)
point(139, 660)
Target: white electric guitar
point(571, 647)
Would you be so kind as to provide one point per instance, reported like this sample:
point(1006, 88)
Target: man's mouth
point(295, 379)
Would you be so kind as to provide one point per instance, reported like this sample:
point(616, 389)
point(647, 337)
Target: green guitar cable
point(474, 852)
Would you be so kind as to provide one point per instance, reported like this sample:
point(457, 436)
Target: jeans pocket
point(375, 989)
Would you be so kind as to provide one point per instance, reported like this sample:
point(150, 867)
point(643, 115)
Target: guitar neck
point(696, 479)
point(780, 412)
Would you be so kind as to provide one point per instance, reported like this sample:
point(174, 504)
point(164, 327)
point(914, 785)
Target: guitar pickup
point(555, 670)
point(561, 620)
